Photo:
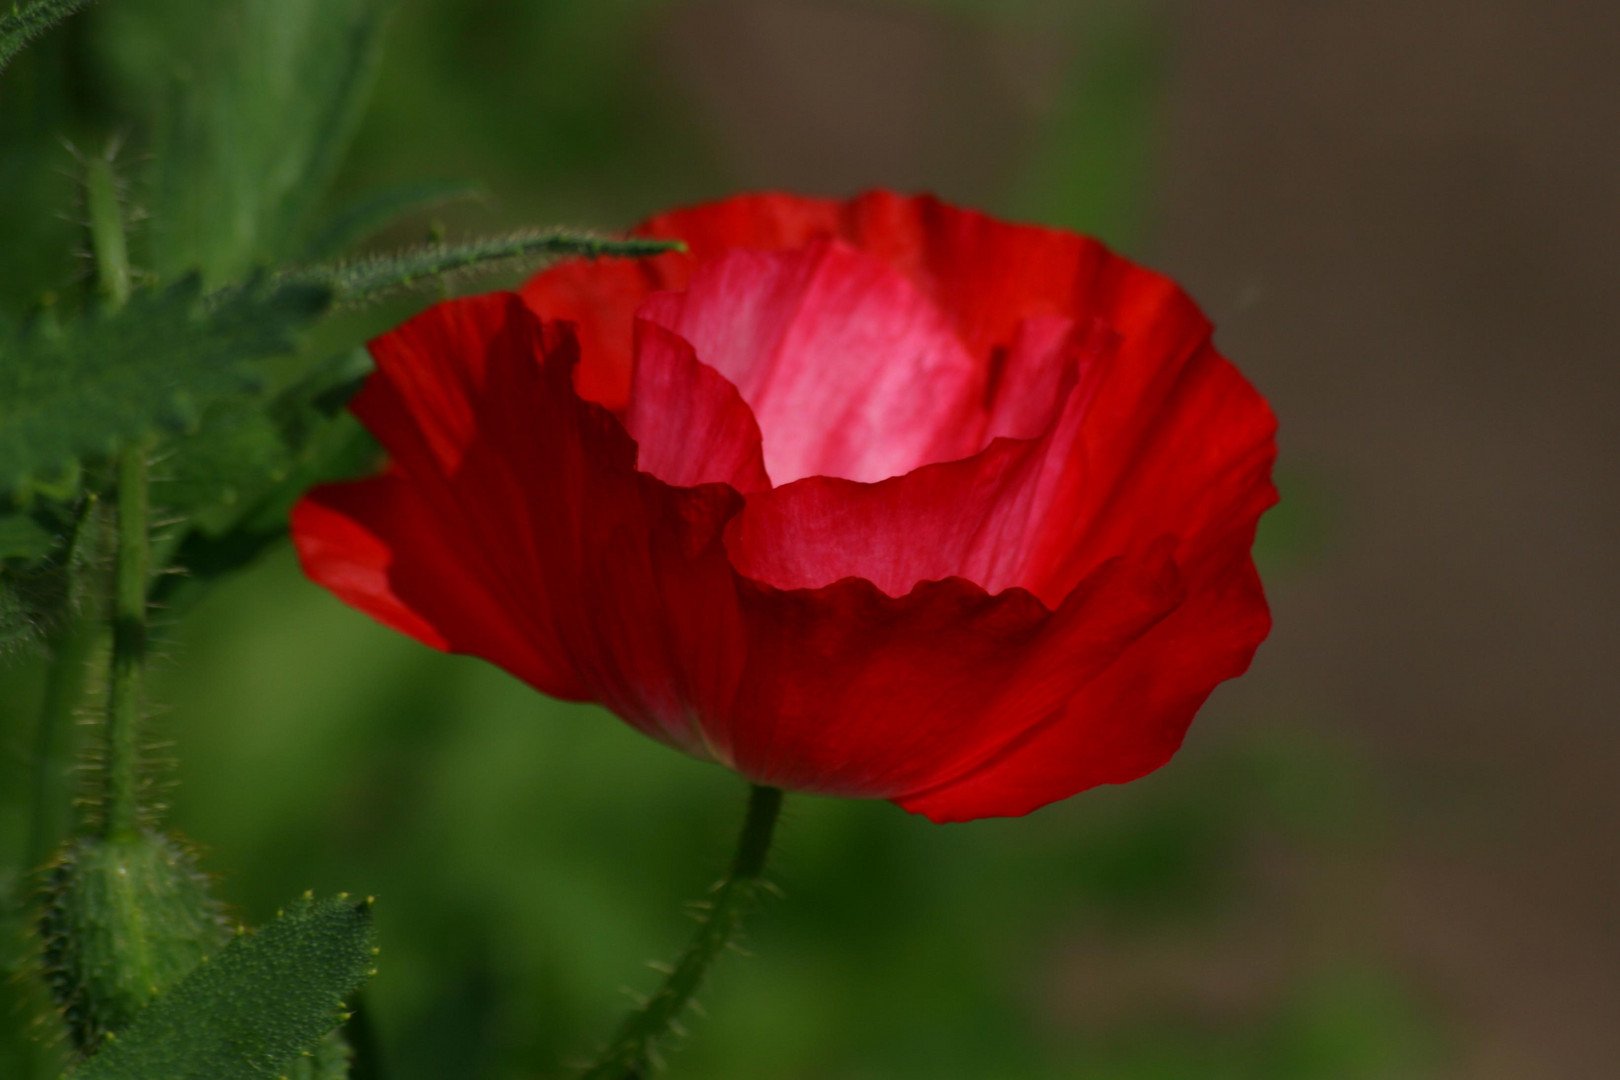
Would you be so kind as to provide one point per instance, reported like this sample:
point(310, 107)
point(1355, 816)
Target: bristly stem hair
point(133, 567)
point(633, 1050)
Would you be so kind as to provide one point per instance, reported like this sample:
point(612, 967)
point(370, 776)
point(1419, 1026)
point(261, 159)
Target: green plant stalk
point(375, 275)
point(107, 239)
point(133, 569)
point(126, 687)
point(631, 1053)
point(50, 816)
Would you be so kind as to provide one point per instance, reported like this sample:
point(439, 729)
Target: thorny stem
point(630, 1055)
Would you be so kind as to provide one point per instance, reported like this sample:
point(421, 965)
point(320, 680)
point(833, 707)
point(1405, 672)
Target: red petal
point(979, 518)
point(768, 221)
point(534, 531)
point(536, 544)
point(838, 689)
point(383, 548)
point(851, 692)
point(600, 297)
point(690, 424)
point(989, 275)
point(1133, 717)
point(849, 369)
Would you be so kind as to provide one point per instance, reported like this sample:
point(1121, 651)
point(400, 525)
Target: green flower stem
point(631, 1053)
point(133, 569)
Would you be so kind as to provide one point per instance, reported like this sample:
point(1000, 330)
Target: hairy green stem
point(630, 1055)
point(50, 817)
point(133, 569)
point(126, 688)
point(362, 279)
point(107, 239)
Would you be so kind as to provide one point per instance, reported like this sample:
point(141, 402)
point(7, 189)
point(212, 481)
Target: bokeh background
point(1388, 851)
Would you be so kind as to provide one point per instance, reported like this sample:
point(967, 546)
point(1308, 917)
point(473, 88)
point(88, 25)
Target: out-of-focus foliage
point(105, 378)
point(252, 106)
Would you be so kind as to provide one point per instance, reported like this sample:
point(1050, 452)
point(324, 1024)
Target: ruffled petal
point(1133, 716)
point(600, 297)
point(988, 275)
point(690, 424)
point(978, 518)
point(850, 370)
point(616, 583)
point(852, 692)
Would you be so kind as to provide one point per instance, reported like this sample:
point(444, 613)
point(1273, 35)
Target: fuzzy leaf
point(339, 449)
point(21, 25)
point(243, 448)
point(154, 364)
point(379, 209)
point(250, 139)
point(254, 1009)
point(363, 279)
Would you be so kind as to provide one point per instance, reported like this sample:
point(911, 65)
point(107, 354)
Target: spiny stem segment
point(107, 239)
point(363, 279)
point(630, 1055)
point(134, 563)
point(71, 645)
point(124, 698)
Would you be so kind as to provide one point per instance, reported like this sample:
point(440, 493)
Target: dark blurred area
point(1388, 851)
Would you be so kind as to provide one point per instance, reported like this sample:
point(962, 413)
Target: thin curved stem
point(629, 1056)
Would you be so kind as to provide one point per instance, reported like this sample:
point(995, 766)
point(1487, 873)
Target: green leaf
point(330, 1060)
point(110, 377)
point(249, 141)
point(243, 449)
point(255, 1008)
point(338, 449)
point(364, 279)
point(21, 25)
point(377, 210)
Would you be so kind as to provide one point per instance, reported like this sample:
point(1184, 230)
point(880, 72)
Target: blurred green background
point(1277, 902)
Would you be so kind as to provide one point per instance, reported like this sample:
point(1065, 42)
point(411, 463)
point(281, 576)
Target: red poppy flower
point(881, 498)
